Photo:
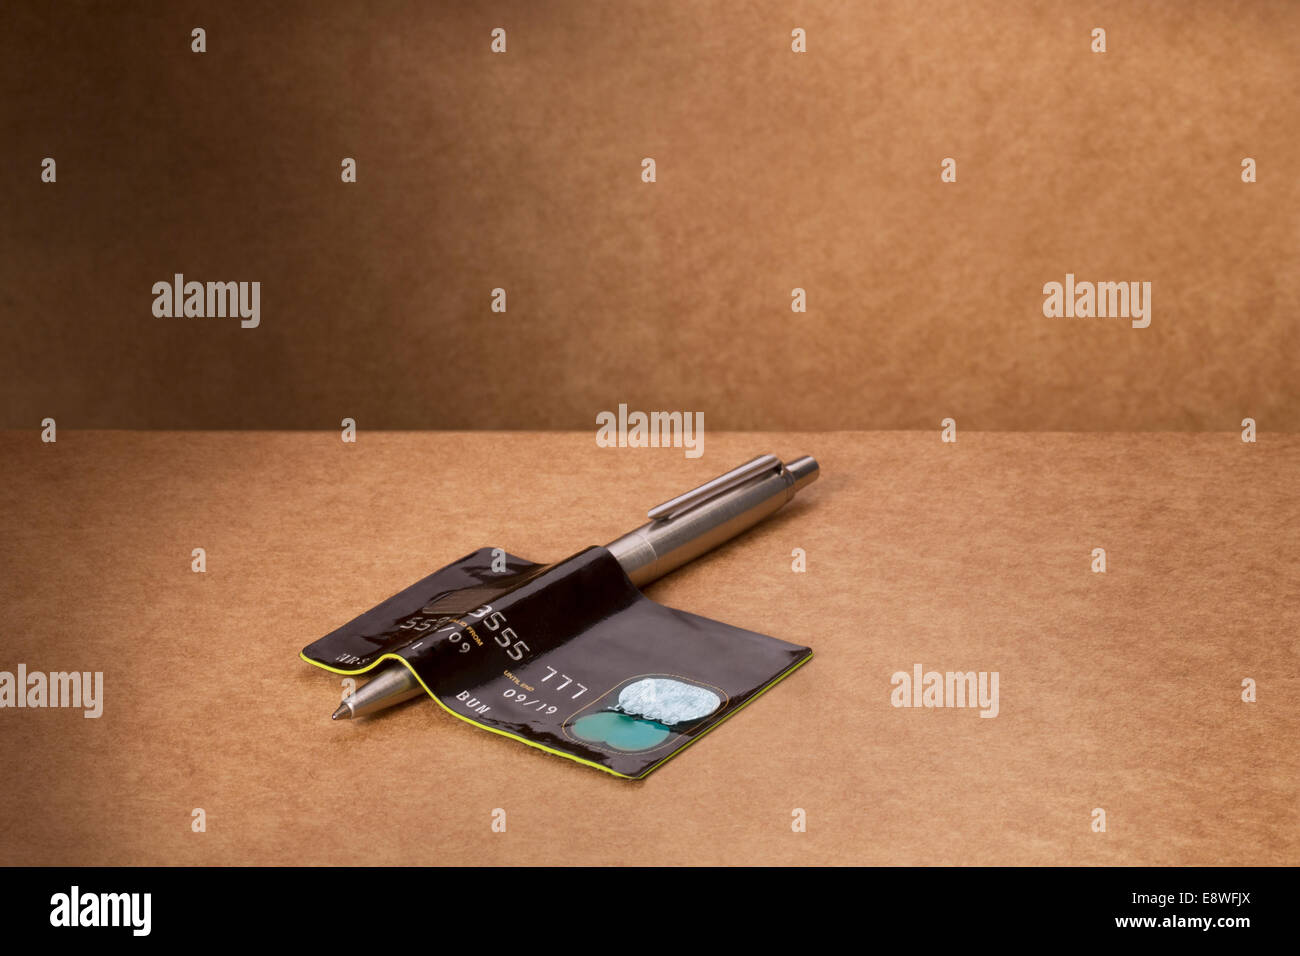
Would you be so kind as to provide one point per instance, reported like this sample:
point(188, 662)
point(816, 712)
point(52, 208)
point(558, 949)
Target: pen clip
point(714, 487)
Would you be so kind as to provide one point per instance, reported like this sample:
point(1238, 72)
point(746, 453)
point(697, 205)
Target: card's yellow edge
point(523, 740)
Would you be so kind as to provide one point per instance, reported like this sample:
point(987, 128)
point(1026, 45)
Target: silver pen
point(678, 531)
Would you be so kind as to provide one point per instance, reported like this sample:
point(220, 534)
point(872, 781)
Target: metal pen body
point(665, 544)
point(679, 530)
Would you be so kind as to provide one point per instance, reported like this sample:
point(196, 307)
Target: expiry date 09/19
point(564, 682)
point(532, 703)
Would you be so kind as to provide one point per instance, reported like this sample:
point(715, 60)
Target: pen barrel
point(658, 547)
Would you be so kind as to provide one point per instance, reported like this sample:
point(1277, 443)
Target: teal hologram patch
point(620, 731)
point(667, 701)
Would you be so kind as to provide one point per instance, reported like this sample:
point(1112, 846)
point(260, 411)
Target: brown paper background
point(775, 170)
point(1118, 690)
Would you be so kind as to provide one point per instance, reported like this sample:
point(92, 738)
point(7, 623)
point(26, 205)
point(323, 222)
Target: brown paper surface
point(1119, 691)
point(775, 171)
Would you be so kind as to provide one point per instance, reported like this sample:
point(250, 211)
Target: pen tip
point(343, 713)
point(805, 471)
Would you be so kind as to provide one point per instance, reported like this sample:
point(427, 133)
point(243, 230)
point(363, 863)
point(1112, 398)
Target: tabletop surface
point(1120, 691)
